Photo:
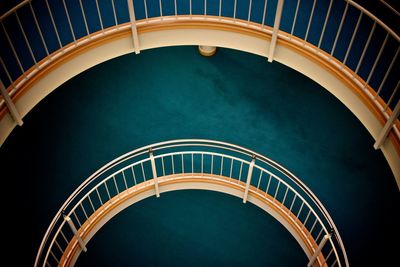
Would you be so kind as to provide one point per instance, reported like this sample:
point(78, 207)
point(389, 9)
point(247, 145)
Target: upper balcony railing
point(354, 41)
point(157, 166)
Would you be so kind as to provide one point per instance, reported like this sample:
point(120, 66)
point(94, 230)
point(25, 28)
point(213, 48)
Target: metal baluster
point(221, 166)
point(231, 169)
point(264, 13)
point(54, 24)
point(305, 221)
point(340, 28)
point(249, 14)
point(291, 206)
point(58, 246)
point(240, 171)
point(212, 164)
point(69, 21)
point(144, 176)
point(63, 236)
point(284, 198)
point(175, 8)
point(162, 164)
point(99, 14)
point(295, 16)
point(39, 29)
point(301, 208)
point(115, 183)
point(259, 180)
point(352, 39)
point(365, 47)
point(376, 60)
point(312, 227)
point(205, 7)
point(269, 182)
point(202, 163)
point(277, 189)
point(309, 21)
point(319, 234)
point(6, 71)
point(183, 164)
point(84, 211)
point(98, 195)
point(391, 97)
point(220, 9)
point(325, 23)
point(234, 10)
point(327, 257)
point(13, 50)
point(108, 192)
point(133, 175)
point(91, 204)
point(114, 13)
point(161, 14)
point(77, 219)
point(124, 178)
point(145, 9)
point(84, 17)
point(55, 258)
point(387, 72)
point(26, 39)
point(173, 167)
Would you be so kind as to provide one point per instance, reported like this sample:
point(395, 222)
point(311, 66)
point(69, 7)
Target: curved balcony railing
point(355, 42)
point(155, 165)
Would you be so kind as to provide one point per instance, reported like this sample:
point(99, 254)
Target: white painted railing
point(168, 161)
point(256, 14)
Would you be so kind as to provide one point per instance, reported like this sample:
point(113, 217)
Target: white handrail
point(390, 7)
point(182, 146)
point(373, 17)
point(30, 73)
point(27, 74)
point(15, 8)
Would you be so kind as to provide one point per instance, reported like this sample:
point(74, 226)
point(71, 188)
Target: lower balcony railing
point(191, 164)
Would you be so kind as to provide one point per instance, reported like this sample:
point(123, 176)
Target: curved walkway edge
point(116, 41)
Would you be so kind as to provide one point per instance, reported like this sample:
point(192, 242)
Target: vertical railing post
point(388, 126)
point(154, 170)
point(274, 38)
point(75, 232)
point(248, 180)
point(132, 18)
point(10, 105)
point(69, 21)
point(320, 247)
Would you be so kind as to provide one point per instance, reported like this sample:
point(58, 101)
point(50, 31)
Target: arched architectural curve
point(118, 41)
point(169, 184)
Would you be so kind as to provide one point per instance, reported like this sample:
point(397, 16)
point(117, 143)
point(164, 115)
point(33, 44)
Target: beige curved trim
point(207, 31)
point(190, 181)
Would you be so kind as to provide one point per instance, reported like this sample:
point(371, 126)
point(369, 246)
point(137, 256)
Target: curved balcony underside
point(191, 181)
point(213, 31)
